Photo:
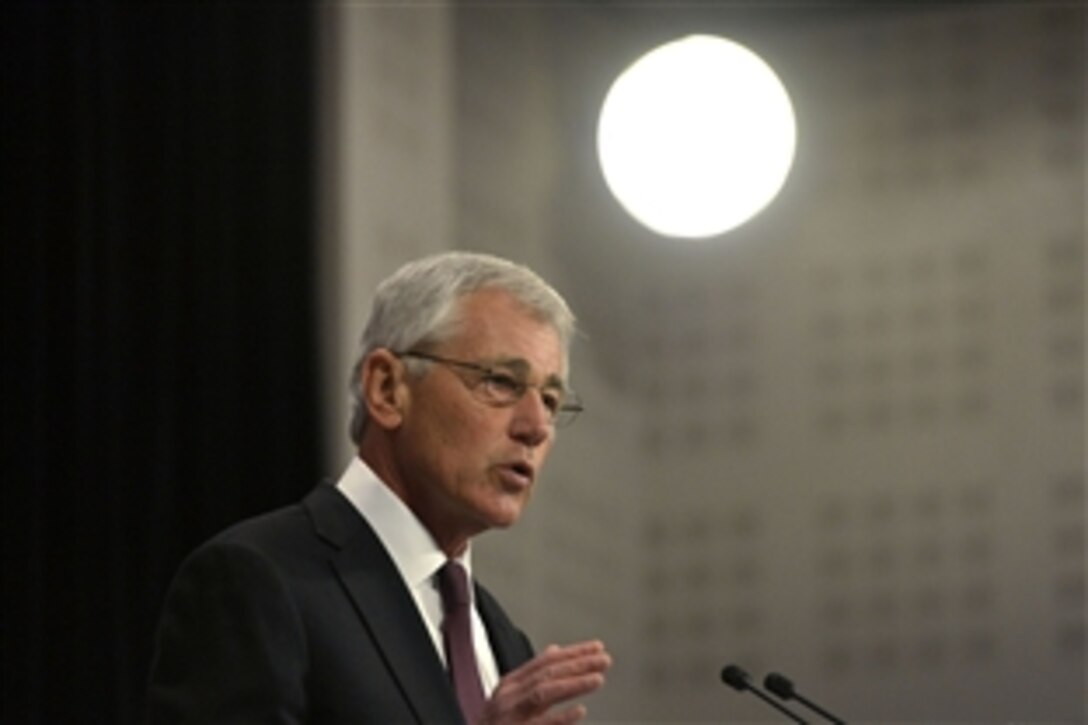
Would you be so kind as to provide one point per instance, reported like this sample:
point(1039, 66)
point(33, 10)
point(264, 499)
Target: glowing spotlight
point(696, 137)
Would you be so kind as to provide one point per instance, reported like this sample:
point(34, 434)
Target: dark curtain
point(160, 340)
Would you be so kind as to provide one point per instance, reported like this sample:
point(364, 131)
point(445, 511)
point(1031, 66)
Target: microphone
point(739, 680)
point(782, 686)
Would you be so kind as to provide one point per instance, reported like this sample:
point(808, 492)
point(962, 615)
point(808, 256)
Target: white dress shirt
point(417, 558)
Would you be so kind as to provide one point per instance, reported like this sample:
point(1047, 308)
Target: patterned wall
point(847, 440)
point(862, 410)
point(383, 178)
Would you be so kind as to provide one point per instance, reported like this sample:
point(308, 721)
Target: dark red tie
point(457, 634)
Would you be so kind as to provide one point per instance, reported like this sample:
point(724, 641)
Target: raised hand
point(539, 690)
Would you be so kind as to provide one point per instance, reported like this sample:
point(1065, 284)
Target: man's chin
point(505, 514)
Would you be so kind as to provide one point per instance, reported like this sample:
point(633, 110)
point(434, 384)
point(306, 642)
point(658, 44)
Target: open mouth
point(520, 473)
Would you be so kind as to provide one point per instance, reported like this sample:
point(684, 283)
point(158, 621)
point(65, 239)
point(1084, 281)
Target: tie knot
point(453, 585)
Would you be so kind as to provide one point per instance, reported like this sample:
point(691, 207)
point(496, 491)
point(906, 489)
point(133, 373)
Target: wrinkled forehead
point(494, 327)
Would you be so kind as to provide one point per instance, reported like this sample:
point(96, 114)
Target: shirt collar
point(408, 542)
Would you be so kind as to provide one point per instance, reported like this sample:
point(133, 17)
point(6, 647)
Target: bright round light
point(696, 137)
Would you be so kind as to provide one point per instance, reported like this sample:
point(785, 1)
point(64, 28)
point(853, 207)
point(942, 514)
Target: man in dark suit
point(330, 611)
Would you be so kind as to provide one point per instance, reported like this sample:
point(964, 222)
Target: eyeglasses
point(500, 388)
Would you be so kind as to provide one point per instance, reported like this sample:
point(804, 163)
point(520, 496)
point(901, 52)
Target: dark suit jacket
point(301, 616)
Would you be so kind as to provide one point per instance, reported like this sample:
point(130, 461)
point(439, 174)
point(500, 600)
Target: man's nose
point(532, 421)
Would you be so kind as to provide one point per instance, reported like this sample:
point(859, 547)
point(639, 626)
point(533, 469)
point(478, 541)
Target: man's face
point(468, 466)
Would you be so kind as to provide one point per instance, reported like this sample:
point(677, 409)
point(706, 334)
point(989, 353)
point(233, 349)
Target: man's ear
point(385, 391)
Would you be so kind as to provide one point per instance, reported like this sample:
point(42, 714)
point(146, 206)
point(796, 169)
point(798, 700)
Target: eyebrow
point(523, 368)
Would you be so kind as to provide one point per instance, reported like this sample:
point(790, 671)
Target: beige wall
point(384, 174)
point(845, 441)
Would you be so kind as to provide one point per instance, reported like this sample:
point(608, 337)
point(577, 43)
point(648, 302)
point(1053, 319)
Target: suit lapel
point(388, 612)
point(509, 644)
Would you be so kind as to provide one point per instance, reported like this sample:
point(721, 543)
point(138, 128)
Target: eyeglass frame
point(570, 405)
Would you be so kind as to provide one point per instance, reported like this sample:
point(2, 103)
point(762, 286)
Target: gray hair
point(415, 306)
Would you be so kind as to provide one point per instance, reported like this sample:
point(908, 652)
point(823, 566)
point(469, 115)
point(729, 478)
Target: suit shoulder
point(264, 529)
point(296, 533)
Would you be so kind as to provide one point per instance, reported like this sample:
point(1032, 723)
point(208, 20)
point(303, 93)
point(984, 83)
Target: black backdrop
point(159, 333)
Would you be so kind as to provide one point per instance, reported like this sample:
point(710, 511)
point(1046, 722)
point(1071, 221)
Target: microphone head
point(736, 677)
point(779, 685)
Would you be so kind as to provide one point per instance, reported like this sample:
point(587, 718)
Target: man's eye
point(552, 400)
point(504, 384)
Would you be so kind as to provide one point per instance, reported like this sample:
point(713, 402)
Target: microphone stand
point(739, 680)
point(783, 687)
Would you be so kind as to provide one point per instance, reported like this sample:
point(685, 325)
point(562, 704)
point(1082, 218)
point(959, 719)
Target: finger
point(577, 649)
point(541, 695)
point(553, 692)
point(556, 675)
point(535, 696)
point(566, 669)
point(554, 655)
point(555, 664)
point(564, 717)
point(544, 687)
